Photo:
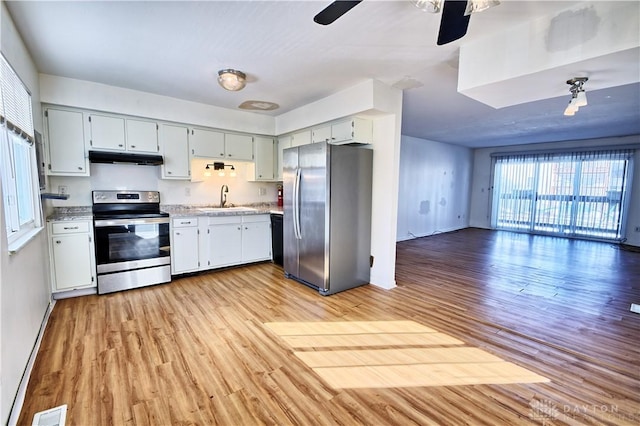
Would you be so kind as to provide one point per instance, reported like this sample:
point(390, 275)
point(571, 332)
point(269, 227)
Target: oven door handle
point(101, 223)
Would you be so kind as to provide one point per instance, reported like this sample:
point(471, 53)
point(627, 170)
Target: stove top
point(126, 204)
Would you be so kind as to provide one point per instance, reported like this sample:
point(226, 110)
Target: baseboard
point(24, 382)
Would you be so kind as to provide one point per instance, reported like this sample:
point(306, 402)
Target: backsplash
point(135, 177)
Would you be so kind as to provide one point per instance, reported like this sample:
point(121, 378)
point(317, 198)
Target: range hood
point(125, 157)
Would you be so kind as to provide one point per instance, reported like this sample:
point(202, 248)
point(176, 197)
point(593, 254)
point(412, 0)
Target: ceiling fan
point(453, 24)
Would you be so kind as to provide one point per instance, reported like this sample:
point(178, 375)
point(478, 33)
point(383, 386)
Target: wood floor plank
point(197, 351)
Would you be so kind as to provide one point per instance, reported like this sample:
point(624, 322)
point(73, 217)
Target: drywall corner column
point(384, 203)
point(387, 134)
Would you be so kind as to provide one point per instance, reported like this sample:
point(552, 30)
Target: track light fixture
point(578, 95)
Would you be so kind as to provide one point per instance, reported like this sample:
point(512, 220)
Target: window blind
point(16, 102)
point(570, 194)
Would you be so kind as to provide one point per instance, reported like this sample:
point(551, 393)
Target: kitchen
point(370, 97)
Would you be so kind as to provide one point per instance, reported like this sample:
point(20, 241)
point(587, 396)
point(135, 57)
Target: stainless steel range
point(132, 240)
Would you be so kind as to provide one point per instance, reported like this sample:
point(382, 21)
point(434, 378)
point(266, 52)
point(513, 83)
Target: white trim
point(22, 389)
point(22, 241)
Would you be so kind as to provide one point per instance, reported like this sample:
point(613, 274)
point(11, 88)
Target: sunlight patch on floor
point(406, 354)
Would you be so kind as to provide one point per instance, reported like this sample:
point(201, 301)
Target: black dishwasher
point(276, 238)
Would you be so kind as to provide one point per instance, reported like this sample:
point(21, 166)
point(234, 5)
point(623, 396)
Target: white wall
point(482, 172)
point(134, 177)
point(24, 282)
point(435, 185)
point(85, 94)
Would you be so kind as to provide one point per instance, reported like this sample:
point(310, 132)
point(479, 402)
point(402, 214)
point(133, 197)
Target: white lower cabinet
point(184, 245)
point(225, 241)
point(208, 242)
point(256, 238)
point(72, 253)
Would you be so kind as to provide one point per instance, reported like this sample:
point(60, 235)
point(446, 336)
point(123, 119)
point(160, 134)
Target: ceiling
point(175, 48)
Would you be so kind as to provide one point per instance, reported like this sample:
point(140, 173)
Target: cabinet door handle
point(239, 228)
point(70, 227)
point(58, 242)
point(120, 145)
point(177, 233)
point(246, 227)
point(132, 146)
point(80, 168)
point(168, 172)
point(222, 154)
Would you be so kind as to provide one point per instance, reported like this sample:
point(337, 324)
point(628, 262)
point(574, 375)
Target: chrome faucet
point(223, 195)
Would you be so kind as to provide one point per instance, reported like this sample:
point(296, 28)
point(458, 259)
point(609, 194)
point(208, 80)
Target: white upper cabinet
point(107, 132)
point(142, 136)
point(238, 147)
point(175, 148)
point(123, 134)
point(206, 143)
point(65, 136)
point(301, 138)
point(264, 159)
point(284, 142)
point(353, 130)
point(321, 134)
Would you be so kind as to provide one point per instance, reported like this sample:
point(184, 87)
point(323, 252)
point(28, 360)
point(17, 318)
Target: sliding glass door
point(571, 194)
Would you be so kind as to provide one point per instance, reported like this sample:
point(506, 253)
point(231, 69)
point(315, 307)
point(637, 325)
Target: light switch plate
point(635, 308)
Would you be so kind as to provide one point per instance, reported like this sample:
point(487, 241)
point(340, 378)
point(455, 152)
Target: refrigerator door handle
point(296, 204)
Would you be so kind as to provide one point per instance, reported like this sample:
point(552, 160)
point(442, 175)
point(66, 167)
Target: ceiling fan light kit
point(474, 6)
point(578, 95)
point(431, 6)
point(232, 80)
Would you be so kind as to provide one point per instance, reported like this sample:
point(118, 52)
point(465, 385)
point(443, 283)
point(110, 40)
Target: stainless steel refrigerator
point(327, 215)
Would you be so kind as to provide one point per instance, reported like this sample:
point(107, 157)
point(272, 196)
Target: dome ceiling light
point(232, 80)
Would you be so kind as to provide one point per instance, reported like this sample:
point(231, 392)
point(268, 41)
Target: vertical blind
point(570, 194)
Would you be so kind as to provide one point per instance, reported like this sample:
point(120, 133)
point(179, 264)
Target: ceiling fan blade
point(334, 11)
point(453, 24)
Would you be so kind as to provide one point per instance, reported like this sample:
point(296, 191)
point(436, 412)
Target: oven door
point(123, 244)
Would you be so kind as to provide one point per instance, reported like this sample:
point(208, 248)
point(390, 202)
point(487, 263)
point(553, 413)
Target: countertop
point(186, 210)
point(84, 213)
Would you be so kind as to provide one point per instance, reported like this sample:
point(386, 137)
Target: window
point(570, 194)
point(20, 191)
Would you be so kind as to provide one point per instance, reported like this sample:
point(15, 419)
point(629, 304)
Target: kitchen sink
point(225, 209)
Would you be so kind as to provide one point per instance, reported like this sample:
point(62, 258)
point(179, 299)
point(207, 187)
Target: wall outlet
point(637, 228)
point(262, 191)
point(187, 191)
point(63, 190)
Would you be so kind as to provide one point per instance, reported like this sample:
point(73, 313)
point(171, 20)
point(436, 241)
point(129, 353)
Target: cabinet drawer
point(253, 218)
point(185, 222)
point(219, 220)
point(69, 227)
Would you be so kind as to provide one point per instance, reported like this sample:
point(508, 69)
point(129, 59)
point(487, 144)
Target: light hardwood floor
point(197, 351)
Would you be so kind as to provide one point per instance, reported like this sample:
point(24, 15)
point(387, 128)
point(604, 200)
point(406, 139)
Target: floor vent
point(52, 417)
